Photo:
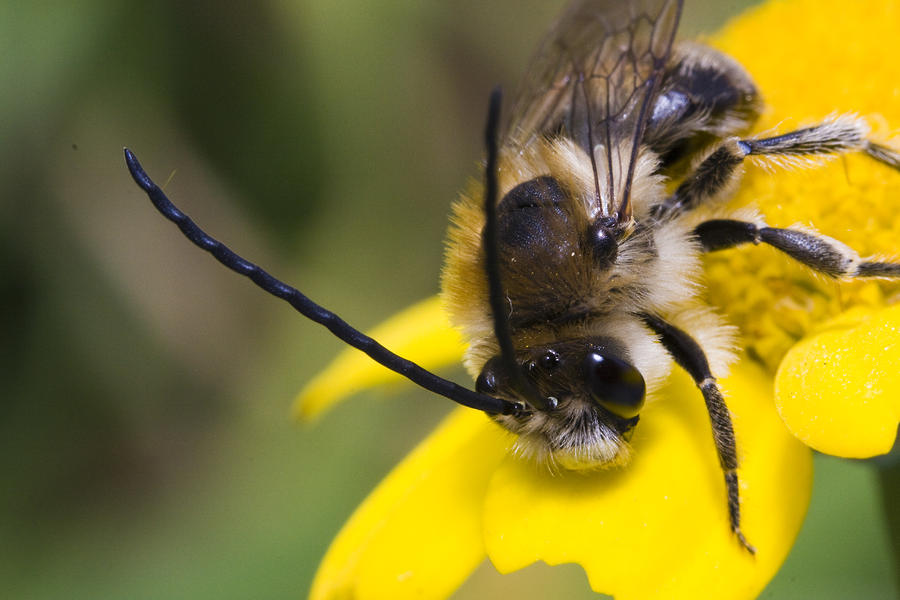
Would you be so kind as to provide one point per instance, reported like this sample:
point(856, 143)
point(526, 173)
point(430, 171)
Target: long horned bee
point(574, 271)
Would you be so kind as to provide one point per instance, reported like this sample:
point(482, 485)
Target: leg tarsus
point(883, 154)
point(878, 269)
point(734, 510)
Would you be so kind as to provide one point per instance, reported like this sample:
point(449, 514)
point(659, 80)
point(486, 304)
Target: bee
point(574, 269)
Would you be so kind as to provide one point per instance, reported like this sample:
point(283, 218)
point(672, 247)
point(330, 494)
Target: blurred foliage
point(145, 444)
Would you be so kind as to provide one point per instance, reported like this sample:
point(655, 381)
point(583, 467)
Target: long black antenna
point(499, 306)
point(310, 309)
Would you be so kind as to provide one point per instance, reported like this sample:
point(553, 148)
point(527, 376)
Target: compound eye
point(615, 384)
point(487, 382)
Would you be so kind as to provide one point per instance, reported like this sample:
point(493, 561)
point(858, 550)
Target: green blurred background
point(146, 449)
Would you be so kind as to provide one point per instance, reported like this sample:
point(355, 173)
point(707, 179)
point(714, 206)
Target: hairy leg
point(719, 169)
point(688, 353)
point(822, 253)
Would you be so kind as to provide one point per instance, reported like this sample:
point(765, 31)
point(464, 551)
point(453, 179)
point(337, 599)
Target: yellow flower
point(659, 527)
point(837, 379)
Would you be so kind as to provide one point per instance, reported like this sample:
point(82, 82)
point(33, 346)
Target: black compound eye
point(615, 384)
point(486, 383)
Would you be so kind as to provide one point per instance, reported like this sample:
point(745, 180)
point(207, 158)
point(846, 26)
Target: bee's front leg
point(688, 353)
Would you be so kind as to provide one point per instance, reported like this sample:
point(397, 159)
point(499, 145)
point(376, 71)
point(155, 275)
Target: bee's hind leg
point(719, 169)
point(819, 252)
point(883, 154)
point(688, 353)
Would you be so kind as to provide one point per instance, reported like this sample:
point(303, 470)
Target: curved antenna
point(492, 263)
point(310, 309)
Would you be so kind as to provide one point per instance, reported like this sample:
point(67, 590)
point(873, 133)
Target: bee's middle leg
point(819, 252)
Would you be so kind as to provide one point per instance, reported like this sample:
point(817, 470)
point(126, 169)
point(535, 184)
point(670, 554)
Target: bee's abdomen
point(705, 95)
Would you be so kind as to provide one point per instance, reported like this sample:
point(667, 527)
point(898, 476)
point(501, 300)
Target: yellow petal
point(658, 528)
point(420, 333)
point(839, 390)
point(419, 534)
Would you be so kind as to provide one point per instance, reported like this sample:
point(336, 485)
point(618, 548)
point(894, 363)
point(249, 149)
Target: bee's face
point(598, 394)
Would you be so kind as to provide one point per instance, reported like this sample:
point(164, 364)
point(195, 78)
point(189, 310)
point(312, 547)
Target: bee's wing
point(594, 79)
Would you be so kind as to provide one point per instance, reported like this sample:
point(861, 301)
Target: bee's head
point(597, 394)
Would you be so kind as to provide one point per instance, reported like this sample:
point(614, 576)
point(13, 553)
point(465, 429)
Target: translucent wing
point(594, 79)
